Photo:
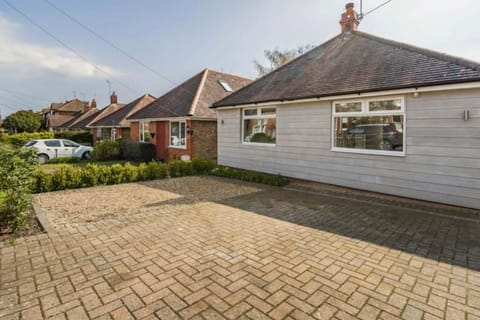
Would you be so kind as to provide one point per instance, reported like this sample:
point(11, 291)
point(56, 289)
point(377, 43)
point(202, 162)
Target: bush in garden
point(201, 166)
point(43, 181)
point(16, 182)
point(74, 177)
point(104, 173)
point(157, 170)
point(251, 176)
point(59, 179)
point(130, 173)
point(138, 151)
point(107, 150)
point(174, 168)
point(143, 172)
point(19, 139)
point(90, 175)
point(117, 174)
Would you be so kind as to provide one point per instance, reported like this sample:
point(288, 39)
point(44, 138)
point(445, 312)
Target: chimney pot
point(113, 98)
point(93, 104)
point(349, 20)
point(86, 107)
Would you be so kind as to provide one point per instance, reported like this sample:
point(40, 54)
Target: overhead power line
point(376, 8)
point(119, 49)
point(51, 35)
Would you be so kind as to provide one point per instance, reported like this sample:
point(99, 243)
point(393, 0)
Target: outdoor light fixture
point(466, 115)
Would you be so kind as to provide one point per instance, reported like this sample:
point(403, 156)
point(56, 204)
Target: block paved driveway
point(209, 248)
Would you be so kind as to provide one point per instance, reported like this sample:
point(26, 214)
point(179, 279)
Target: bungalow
point(180, 123)
point(109, 109)
point(362, 112)
point(115, 126)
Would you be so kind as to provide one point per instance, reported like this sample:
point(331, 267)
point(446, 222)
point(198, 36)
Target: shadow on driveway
point(442, 239)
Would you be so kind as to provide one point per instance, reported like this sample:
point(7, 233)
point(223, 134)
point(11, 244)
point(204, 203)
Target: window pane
point(52, 143)
point(175, 134)
point(348, 107)
point(250, 112)
point(268, 111)
point(259, 130)
point(369, 133)
point(71, 144)
point(385, 105)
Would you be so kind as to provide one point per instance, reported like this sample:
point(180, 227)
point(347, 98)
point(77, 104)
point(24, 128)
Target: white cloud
point(20, 57)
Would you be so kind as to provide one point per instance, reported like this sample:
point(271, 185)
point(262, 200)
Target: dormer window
point(225, 85)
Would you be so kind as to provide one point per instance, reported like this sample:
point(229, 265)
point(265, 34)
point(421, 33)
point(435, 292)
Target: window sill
point(371, 152)
point(178, 147)
point(259, 144)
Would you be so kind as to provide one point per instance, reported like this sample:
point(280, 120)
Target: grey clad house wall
point(442, 161)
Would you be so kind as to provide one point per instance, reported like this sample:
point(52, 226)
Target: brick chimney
point(86, 107)
point(349, 20)
point(113, 98)
point(93, 104)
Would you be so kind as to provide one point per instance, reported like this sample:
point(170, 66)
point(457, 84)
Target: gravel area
point(70, 209)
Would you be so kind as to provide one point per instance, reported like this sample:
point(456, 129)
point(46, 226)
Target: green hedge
point(64, 160)
point(250, 176)
point(83, 137)
point(16, 182)
point(19, 139)
point(107, 150)
point(138, 151)
point(94, 175)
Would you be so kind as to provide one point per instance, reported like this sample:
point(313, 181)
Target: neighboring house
point(111, 108)
point(362, 112)
point(180, 123)
point(77, 123)
point(115, 126)
point(59, 113)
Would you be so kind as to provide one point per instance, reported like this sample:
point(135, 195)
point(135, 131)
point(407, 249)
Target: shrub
point(19, 139)
point(251, 176)
point(43, 181)
point(107, 150)
point(104, 173)
point(131, 172)
point(64, 160)
point(156, 170)
point(117, 174)
point(84, 137)
point(138, 151)
point(143, 172)
point(16, 182)
point(201, 166)
point(74, 177)
point(90, 175)
point(59, 179)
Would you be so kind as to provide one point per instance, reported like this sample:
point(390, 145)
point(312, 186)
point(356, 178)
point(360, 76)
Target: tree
point(22, 121)
point(278, 58)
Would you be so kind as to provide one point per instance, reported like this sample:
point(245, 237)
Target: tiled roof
point(69, 106)
point(192, 98)
point(355, 62)
point(77, 118)
point(111, 108)
point(118, 118)
point(82, 124)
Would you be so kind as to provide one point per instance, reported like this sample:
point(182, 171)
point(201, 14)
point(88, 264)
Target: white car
point(56, 148)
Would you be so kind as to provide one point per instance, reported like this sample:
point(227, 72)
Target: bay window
point(373, 126)
point(178, 134)
point(259, 125)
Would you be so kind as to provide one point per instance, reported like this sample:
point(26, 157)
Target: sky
point(177, 39)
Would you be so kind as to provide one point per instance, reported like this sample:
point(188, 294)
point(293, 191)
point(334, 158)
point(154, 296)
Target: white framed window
point(372, 126)
point(259, 125)
point(144, 134)
point(178, 134)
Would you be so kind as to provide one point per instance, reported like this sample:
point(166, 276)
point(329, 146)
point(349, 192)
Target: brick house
point(107, 110)
point(77, 123)
point(180, 123)
point(59, 113)
point(114, 125)
point(363, 112)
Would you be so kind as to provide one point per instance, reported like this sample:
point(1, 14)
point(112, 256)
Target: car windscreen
point(30, 143)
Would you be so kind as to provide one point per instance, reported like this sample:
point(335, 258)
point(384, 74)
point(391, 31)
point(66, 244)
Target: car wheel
point(385, 145)
point(87, 155)
point(43, 158)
